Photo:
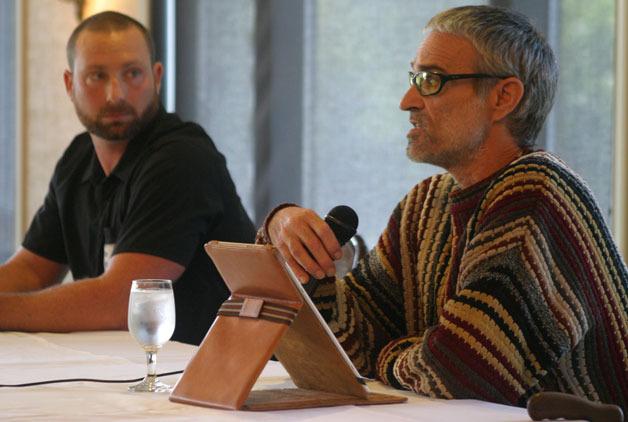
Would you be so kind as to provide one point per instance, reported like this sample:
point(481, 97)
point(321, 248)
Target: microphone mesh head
point(343, 222)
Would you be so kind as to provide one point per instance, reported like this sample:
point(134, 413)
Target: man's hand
point(305, 241)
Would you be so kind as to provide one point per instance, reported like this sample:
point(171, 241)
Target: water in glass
point(151, 320)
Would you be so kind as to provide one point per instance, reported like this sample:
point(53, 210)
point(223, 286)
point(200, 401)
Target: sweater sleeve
point(371, 307)
point(365, 308)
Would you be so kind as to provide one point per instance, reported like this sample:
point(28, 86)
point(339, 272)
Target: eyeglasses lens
point(427, 83)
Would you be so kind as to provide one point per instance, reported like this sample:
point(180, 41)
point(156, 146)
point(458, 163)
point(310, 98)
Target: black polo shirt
point(170, 193)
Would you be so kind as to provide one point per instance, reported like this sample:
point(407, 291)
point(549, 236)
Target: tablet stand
point(268, 314)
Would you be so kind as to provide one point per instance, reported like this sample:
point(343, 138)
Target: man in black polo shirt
point(136, 196)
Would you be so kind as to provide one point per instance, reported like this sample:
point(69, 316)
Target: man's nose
point(115, 90)
point(411, 100)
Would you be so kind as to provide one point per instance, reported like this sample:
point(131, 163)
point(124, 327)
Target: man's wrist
point(263, 236)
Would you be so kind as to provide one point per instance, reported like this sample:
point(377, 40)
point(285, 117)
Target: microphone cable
point(57, 381)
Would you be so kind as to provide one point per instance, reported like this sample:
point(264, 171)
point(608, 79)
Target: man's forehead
point(124, 42)
point(445, 52)
point(90, 32)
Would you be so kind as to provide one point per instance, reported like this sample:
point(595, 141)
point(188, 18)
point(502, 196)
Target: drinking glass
point(151, 320)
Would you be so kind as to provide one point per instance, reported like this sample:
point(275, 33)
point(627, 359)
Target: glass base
point(150, 384)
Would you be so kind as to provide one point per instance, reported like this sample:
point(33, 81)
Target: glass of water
point(151, 320)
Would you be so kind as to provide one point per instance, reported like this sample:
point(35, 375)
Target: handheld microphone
point(343, 222)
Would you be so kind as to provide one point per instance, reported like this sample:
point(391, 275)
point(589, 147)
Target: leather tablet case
point(268, 312)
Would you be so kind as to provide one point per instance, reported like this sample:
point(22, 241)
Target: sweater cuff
point(388, 357)
point(262, 237)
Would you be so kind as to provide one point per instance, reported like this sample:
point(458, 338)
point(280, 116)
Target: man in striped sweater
point(498, 278)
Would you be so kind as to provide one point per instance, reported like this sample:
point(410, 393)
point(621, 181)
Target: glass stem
point(151, 363)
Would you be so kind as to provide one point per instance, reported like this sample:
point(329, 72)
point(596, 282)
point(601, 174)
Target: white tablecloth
point(26, 357)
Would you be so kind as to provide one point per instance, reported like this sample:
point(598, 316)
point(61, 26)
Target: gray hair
point(508, 44)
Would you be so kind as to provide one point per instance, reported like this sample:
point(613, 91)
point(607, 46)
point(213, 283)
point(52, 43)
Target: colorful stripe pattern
point(494, 292)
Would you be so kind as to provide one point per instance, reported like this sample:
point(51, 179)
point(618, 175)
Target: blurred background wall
point(302, 96)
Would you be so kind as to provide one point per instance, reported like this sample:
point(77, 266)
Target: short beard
point(118, 131)
point(452, 158)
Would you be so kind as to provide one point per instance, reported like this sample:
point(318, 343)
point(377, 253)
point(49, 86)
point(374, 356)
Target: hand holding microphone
point(310, 244)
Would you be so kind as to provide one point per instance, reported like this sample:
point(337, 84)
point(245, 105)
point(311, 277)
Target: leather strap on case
point(257, 308)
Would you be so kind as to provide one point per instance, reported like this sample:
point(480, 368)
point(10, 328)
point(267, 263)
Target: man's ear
point(67, 80)
point(505, 97)
point(158, 72)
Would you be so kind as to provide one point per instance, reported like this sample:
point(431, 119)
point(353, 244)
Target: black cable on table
point(32, 384)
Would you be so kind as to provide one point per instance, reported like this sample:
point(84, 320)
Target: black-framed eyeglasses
point(431, 83)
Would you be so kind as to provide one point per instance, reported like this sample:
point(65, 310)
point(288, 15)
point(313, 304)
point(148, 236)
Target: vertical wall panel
point(215, 60)
point(8, 15)
point(620, 164)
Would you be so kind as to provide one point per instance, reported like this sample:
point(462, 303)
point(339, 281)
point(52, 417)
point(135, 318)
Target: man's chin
point(111, 135)
point(119, 130)
point(414, 154)
point(115, 138)
point(116, 132)
point(425, 157)
point(417, 159)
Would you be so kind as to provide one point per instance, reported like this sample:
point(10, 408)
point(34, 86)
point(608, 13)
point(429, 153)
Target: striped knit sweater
point(494, 292)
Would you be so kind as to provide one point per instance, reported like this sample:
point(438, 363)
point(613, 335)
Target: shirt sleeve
point(173, 203)
point(44, 236)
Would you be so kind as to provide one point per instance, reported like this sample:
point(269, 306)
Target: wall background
point(48, 118)
point(48, 121)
